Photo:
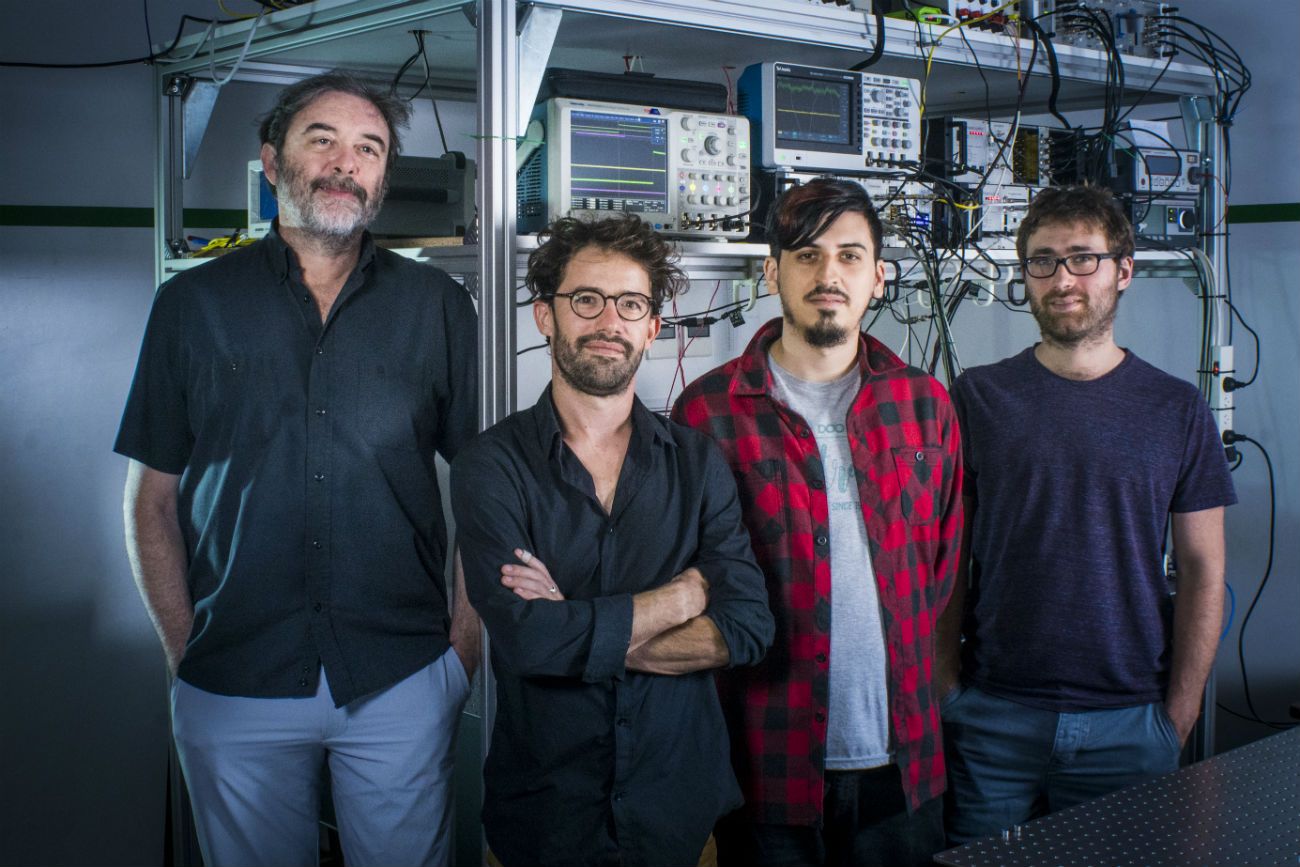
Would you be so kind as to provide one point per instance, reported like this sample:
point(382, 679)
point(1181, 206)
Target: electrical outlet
point(1221, 400)
point(697, 341)
point(665, 345)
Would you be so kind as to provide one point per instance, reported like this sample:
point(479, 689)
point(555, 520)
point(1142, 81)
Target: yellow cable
point(224, 11)
point(929, 57)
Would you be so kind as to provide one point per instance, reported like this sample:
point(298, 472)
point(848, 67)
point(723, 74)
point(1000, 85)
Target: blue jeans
point(254, 770)
point(1009, 763)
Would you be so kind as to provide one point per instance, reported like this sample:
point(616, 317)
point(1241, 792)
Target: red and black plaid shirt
point(907, 456)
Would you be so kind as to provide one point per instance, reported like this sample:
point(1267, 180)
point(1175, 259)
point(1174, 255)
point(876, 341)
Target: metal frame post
point(498, 124)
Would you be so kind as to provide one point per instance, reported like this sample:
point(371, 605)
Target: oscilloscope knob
point(712, 145)
point(689, 121)
point(687, 155)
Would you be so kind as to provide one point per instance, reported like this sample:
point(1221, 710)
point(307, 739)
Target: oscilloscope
point(685, 173)
point(811, 118)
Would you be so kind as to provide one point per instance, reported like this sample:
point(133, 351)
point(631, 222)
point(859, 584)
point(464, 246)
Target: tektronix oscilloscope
point(686, 173)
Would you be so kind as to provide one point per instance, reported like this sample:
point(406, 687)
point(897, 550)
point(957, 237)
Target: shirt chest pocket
point(242, 397)
point(395, 406)
point(920, 471)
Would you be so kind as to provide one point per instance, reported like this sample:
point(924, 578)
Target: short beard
point(330, 228)
point(598, 377)
point(822, 334)
point(1070, 332)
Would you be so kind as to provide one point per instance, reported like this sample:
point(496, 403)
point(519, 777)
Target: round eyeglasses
point(1078, 264)
point(589, 304)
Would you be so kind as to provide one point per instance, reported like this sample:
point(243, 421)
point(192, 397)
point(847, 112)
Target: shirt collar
point(648, 428)
point(753, 375)
point(284, 262)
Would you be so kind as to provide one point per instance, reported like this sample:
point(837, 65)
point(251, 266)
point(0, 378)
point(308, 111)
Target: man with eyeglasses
point(604, 550)
point(1080, 672)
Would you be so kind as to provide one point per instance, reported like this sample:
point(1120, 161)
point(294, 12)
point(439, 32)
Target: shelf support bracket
point(536, 39)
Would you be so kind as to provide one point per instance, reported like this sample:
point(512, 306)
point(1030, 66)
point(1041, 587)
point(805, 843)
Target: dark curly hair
point(275, 123)
point(1086, 205)
point(803, 213)
point(626, 234)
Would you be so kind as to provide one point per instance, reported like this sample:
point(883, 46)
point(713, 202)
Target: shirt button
point(234, 365)
point(821, 657)
point(316, 607)
point(611, 531)
point(821, 540)
point(817, 484)
point(320, 477)
point(920, 456)
point(320, 411)
point(315, 543)
point(618, 796)
point(623, 721)
point(306, 299)
point(320, 350)
point(803, 432)
point(820, 717)
point(302, 681)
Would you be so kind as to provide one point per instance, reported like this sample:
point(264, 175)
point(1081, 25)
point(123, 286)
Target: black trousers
point(865, 823)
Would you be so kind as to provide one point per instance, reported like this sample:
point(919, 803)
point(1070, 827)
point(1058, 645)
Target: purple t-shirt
point(1073, 482)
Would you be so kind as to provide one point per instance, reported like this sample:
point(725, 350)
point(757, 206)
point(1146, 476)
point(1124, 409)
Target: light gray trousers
point(254, 771)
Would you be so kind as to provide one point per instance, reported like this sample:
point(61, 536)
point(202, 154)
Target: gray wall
point(82, 741)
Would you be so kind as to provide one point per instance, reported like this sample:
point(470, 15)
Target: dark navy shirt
point(591, 763)
point(1069, 608)
point(308, 499)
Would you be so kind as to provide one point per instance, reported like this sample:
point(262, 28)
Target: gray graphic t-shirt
point(858, 728)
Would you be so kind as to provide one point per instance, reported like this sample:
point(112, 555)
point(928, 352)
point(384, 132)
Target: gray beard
point(334, 231)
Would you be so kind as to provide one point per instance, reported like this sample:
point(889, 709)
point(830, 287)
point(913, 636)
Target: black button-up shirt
point(591, 762)
point(308, 498)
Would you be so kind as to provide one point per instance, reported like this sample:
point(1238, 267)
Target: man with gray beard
point(283, 517)
point(603, 548)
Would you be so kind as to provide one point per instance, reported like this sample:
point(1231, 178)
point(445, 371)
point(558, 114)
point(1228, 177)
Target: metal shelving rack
point(495, 52)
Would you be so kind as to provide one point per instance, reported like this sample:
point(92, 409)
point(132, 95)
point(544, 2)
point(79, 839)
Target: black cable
point(437, 115)
point(1054, 68)
point(1255, 372)
point(878, 51)
point(1271, 724)
point(1268, 570)
point(148, 33)
point(150, 58)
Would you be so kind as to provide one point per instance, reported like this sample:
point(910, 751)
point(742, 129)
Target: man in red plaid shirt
point(849, 470)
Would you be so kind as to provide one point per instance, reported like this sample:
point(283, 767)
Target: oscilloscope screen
point(821, 114)
point(618, 162)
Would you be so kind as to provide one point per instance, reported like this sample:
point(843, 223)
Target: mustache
point(826, 291)
point(346, 185)
point(605, 338)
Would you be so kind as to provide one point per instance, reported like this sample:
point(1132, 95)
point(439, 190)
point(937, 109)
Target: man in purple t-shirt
point(1081, 671)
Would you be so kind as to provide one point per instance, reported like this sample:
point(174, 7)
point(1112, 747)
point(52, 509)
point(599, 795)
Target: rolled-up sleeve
point(738, 603)
point(581, 638)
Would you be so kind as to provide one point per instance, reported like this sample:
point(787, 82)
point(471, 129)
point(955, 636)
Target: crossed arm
point(671, 634)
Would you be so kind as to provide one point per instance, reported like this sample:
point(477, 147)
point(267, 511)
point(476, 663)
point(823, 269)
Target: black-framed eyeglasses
point(1078, 264)
point(589, 304)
